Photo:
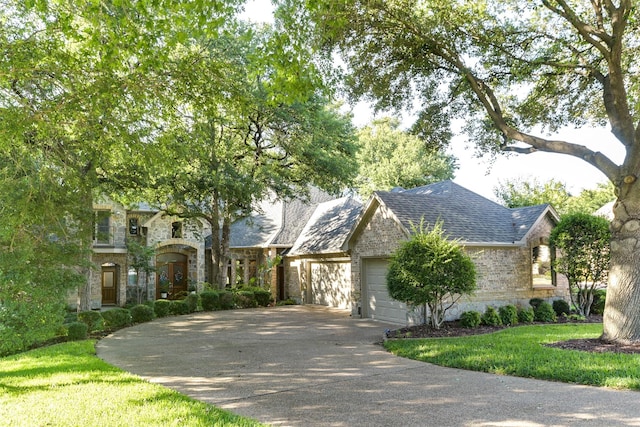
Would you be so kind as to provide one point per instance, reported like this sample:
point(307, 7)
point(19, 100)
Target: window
point(541, 270)
point(133, 226)
point(102, 227)
point(176, 230)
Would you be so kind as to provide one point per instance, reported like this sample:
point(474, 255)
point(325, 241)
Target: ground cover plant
point(532, 351)
point(85, 391)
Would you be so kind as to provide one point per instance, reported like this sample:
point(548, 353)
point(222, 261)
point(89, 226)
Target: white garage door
point(331, 284)
point(376, 300)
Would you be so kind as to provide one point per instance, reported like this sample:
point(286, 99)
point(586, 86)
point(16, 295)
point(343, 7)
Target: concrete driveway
point(314, 366)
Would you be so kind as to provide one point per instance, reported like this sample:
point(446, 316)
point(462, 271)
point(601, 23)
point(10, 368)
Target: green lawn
point(67, 385)
point(520, 351)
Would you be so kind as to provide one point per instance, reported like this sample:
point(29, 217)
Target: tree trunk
point(215, 243)
point(622, 308)
point(224, 251)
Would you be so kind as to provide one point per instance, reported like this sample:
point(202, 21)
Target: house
point(179, 253)
point(508, 246)
point(334, 251)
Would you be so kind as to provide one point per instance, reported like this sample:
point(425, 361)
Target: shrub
point(93, 320)
point(508, 314)
point(116, 318)
point(491, 317)
point(535, 302)
point(525, 315)
point(141, 313)
point(288, 301)
point(178, 307)
point(226, 300)
point(470, 319)
point(599, 298)
point(161, 308)
point(192, 302)
point(210, 300)
point(262, 296)
point(561, 307)
point(245, 299)
point(77, 331)
point(545, 313)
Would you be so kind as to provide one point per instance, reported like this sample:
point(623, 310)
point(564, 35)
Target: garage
point(377, 304)
point(331, 284)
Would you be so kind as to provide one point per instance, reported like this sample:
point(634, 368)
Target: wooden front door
point(172, 268)
point(109, 285)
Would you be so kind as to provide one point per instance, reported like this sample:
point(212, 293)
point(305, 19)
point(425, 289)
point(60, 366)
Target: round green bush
point(226, 300)
point(470, 319)
point(535, 302)
point(93, 320)
point(525, 315)
point(210, 300)
point(141, 313)
point(161, 307)
point(561, 307)
point(117, 318)
point(178, 307)
point(77, 331)
point(245, 299)
point(545, 313)
point(508, 315)
point(491, 317)
point(192, 302)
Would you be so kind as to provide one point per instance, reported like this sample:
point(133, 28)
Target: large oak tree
point(513, 69)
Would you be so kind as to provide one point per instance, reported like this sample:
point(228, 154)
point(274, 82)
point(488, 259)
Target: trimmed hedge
point(526, 315)
point(226, 300)
point(508, 315)
point(192, 301)
point(210, 300)
point(178, 307)
point(470, 319)
point(116, 318)
point(161, 307)
point(77, 331)
point(544, 313)
point(141, 313)
point(93, 320)
point(491, 317)
point(561, 307)
point(245, 299)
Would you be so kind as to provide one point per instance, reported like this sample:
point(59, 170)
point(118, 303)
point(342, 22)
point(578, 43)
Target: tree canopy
point(389, 157)
point(514, 70)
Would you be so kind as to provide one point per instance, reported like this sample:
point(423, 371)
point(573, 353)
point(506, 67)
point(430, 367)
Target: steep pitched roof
point(465, 215)
point(328, 227)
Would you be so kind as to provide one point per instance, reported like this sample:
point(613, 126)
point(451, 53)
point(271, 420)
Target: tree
point(583, 243)
point(431, 271)
point(389, 157)
point(512, 69)
point(245, 127)
point(140, 257)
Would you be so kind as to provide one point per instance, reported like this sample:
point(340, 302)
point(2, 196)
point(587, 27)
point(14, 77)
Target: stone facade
point(504, 272)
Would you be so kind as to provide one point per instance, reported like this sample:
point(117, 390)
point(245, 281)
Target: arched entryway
point(171, 275)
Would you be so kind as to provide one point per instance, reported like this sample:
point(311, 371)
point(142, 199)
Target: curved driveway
point(314, 366)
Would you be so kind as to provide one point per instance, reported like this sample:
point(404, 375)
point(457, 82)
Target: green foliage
point(210, 300)
point(520, 193)
point(141, 313)
point(523, 352)
point(226, 300)
point(192, 301)
point(428, 270)
point(116, 318)
point(161, 307)
point(584, 255)
point(544, 313)
point(508, 315)
point(77, 331)
point(535, 302)
point(599, 298)
point(525, 315)
point(490, 317)
point(288, 301)
point(470, 319)
point(263, 296)
point(245, 299)
point(389, 157)
point(178, 307)
point(561, 307)
point(93, 320)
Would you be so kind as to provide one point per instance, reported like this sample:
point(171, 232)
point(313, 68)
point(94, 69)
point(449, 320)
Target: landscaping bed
point(455, 329)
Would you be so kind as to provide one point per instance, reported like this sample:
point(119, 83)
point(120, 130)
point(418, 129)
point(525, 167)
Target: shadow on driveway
point(315, 366)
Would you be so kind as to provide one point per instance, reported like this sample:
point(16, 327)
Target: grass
point(68, 385)
point(521, 352)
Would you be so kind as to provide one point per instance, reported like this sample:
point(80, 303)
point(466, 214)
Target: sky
point(481, 175)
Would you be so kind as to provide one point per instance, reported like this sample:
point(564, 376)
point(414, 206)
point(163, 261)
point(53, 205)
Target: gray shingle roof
point(328, 227)
point(465, 215)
